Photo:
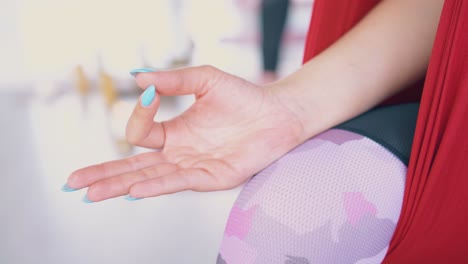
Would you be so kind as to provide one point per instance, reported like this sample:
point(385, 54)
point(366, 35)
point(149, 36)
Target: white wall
point(45, 40)
point(12, 69)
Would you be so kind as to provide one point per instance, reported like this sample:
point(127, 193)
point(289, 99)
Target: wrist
point(303, 105)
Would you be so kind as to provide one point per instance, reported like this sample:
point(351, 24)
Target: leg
point(334, 199)
point(273, 15)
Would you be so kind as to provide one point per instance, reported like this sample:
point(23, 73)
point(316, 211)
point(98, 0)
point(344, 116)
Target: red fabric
point(433, 226)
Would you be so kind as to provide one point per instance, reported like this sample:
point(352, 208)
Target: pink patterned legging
point(334, 199)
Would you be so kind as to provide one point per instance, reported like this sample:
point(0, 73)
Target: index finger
point(192, 80)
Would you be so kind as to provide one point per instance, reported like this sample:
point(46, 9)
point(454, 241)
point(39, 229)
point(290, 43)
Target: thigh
point(334, 199)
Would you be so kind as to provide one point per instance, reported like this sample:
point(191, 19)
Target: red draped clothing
point(433, 225)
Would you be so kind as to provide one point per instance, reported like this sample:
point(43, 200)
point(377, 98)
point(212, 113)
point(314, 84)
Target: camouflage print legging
point(334, 199)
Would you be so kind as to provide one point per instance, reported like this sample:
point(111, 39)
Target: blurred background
point(66, 94)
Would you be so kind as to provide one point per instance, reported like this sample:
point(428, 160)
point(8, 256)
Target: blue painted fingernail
point(148, 95)
point(67, 188)
point(134, 72)
point(86, 200)
point(130, 198)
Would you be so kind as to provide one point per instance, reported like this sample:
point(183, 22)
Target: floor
point(45, 137)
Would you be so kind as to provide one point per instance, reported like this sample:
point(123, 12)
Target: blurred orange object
point(82, 83)
point(108, 88)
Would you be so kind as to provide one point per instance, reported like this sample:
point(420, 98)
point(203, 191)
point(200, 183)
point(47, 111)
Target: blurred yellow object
point(108, 88)
point(82, 83)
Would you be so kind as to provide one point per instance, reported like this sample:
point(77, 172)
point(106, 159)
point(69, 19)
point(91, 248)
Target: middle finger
point(121, 184)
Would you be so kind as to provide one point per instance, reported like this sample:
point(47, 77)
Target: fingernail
point(134, 72)
point(148, 95)
point(86, 200)
point(67, 188)
point(130, 198)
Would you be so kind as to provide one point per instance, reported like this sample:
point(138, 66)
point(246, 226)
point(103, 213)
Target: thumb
point(192, 80)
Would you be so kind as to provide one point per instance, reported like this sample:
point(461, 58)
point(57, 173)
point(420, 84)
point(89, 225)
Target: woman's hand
point(232, 131)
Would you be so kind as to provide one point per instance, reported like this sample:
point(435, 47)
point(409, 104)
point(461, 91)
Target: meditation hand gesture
point(233, 130)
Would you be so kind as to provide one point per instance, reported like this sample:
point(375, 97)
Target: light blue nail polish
point(67, 188)
point(86, 200)
point(148, 95)
point(134, 72)
point(130, 198)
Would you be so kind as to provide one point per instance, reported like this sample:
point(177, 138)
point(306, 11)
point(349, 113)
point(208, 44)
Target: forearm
point(387, 50)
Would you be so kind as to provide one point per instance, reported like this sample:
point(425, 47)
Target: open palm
point(233, 130)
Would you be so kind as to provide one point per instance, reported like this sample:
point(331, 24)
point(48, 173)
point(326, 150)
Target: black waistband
point(390, 126)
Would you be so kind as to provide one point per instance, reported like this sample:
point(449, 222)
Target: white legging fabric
point(334, 199)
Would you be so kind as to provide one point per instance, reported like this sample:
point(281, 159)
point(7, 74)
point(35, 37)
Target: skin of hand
point(233, 130)
point(236, 128)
